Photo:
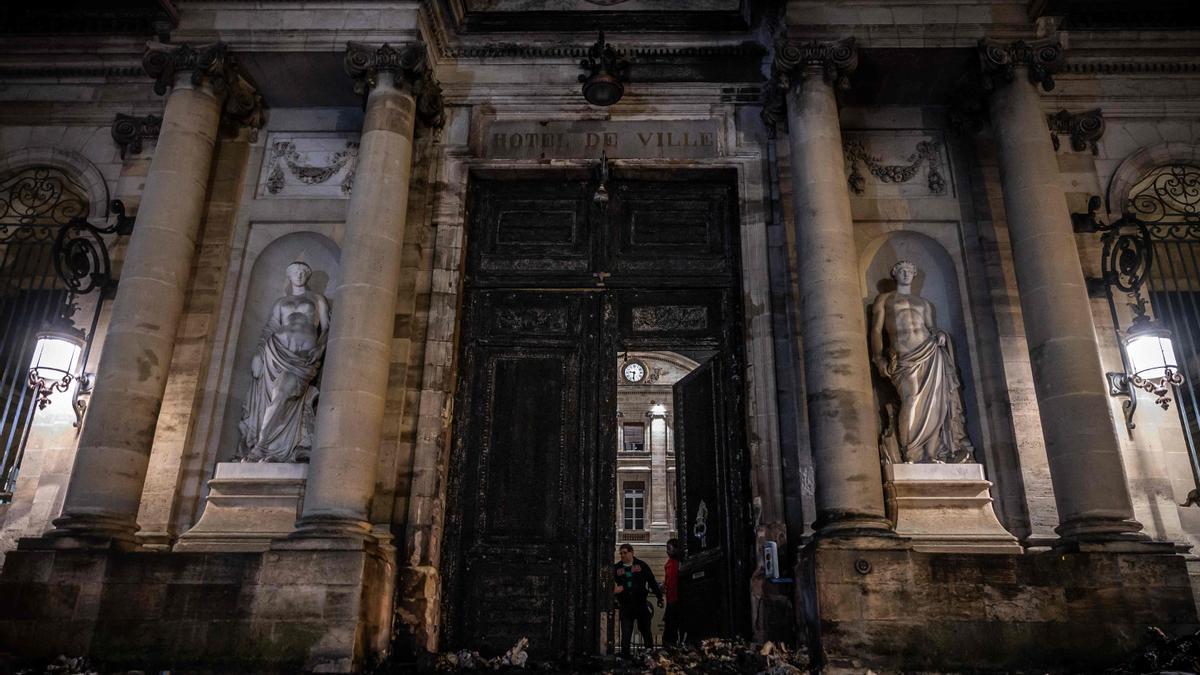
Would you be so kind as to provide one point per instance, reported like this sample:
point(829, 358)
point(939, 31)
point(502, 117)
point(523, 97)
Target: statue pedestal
point(248, 505)
point(946, 508)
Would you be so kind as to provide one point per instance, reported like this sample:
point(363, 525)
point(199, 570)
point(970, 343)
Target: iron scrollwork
point(1126, 260)
point(1171, 196)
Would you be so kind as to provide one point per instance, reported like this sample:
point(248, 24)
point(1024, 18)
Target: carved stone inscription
point(586, 139)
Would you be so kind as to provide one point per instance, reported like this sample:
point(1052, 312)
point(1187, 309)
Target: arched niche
point(268, 282)
point(937, 281)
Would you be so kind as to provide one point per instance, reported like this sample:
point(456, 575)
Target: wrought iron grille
point(47, 257)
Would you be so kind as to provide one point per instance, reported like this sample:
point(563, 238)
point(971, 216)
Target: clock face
point(634, 371)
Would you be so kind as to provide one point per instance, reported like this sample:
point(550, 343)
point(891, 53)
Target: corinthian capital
point(211, 65)
point(999, 60)
point(409, 69)
point(836, 60)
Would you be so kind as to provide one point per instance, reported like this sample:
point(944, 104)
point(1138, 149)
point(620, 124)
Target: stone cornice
point(410, 70)
point(209, 64)
point(999, 61)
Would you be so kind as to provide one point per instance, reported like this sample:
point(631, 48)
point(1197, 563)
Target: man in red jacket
point(671, 632)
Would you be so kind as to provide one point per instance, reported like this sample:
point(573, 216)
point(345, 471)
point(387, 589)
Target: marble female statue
point(278, 416)
point(918, 359)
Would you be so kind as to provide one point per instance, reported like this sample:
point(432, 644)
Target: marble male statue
point(918, 359)
point(278, 416)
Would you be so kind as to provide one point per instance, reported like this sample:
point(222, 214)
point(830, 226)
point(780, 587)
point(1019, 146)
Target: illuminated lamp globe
point(55, 359)
point(1150, 350)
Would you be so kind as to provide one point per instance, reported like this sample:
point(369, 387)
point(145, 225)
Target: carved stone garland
point(284, 154)
point(926, 153)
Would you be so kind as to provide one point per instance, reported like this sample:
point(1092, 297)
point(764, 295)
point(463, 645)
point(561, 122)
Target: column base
point(1101, 529)
point(327, 532)
point(852, 525)
point(87, 531)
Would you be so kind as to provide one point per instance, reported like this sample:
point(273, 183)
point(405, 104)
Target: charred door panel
point(673, 232)
point(532, 230)
point(711, 516)
point(522, 472)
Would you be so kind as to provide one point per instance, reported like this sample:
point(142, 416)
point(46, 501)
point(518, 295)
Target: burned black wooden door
point(524, 460)
point(710, 513)
point(530, 506)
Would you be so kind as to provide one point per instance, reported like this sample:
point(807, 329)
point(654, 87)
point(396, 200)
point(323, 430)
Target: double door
point(531, 501)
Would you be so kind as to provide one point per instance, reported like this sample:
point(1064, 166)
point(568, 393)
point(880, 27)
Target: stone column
point(1081, 444)
point(841, 405)
point(341, 476)
point(101, 504)
point(657, 442)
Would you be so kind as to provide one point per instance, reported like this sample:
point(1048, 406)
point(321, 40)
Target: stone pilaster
point(657, 440)
point(843, 426)
point(106, 483)
point(341, 477)
point(1090, 488)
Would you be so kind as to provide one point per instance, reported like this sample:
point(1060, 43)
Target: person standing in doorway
point(671, 631)
point(632, 579)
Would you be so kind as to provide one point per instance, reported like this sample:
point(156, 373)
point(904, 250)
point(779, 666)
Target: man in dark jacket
point(631, 579)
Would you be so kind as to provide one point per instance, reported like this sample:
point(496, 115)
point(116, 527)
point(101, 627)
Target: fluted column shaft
point(843, 428)
point(341, 476)
point(101, 503)
point(1086, 470)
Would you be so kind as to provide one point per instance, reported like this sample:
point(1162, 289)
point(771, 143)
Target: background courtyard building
point(592, 272)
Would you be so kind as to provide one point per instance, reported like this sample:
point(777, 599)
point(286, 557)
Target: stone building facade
point(491, 242)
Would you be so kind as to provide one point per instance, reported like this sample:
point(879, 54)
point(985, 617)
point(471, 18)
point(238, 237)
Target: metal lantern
point(55, 364)
point(1150, 351)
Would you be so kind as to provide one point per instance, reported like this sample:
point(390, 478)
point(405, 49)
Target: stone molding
point(999, 61)
point(837, 59)
point(410, 70)
point(210, 64)
point(130, 132)
point(1084, 129)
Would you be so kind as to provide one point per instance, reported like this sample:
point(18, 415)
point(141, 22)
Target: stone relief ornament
point(309, 165)
point(212, 65)
point(1084, 129)
point(130, 132)
point(278, 416)
point(927, 153)
point(287, 160)
point(918, 359)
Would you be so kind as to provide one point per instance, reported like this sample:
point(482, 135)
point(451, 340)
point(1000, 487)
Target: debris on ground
point(1163, 655)
point(64, 665)
point(713, 656)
